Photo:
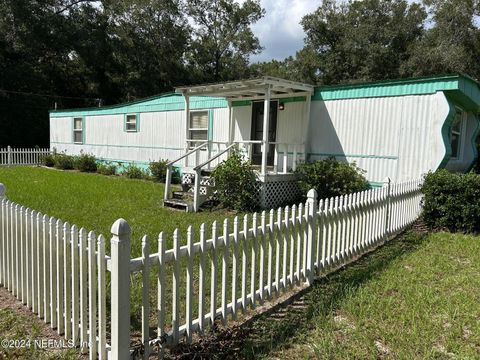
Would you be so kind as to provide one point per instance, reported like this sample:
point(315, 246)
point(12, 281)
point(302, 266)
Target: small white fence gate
point(19, 156)
point(60, 271)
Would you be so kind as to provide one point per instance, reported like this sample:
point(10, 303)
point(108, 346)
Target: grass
point(21, 327)
point(415, 298)
point(96, 201)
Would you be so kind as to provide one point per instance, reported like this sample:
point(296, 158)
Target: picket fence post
point(387, 212)
point(9, 155)
point(312, 233)
point(2, 191)
point(120, 287)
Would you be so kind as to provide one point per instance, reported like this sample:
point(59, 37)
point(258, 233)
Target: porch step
point(203, 172)
point(178, 204)
point(180, 195)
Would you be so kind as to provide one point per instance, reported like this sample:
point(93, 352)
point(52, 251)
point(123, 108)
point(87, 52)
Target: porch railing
point(198, 175)
point(207, 155)
point(283, 151)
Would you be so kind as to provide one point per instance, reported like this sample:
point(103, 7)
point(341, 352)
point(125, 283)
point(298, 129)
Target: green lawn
point(96, 201)
point(15, 325)
point(415, 298)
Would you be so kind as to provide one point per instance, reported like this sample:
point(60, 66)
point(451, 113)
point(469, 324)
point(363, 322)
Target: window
point(78, 130)
point(131, 123)
point(456, 134)
point(198, 129)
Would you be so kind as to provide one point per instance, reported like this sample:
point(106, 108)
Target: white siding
point(61, 130)
point(242, 118)
point(399, 137)
point(161, 136)
point(291, 123)
point(220, 126)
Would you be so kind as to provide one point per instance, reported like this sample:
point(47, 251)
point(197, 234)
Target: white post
point(387, 212)
point(306, 139)
point(285, 159)
point(231, 133)
point(312, 233)
point(187, 125)
point(120, 285)
point(2, 191)
point(266, 119)
point(9, 155)
point(196, 190)
point(168, 180)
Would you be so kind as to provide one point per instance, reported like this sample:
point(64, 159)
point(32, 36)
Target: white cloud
point(279, 31)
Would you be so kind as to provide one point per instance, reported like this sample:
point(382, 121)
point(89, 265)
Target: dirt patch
point(8, 301)
point(27, 335)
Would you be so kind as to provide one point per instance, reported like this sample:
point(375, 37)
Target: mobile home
point(392, 129)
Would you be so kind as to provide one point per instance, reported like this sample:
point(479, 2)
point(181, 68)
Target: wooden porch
point(272, 159)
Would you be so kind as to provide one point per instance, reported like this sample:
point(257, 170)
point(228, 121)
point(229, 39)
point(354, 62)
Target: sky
point(279, 31)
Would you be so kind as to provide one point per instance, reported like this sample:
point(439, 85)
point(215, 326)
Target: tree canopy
point(74, 53)
point(78, 53)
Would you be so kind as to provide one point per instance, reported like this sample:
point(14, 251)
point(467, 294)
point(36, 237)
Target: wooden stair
point(183, 200)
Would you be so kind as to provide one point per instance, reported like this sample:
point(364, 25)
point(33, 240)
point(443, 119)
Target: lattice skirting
point(273, 194)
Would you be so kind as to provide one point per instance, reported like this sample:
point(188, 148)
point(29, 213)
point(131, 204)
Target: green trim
point(122, 164)
point(210, 125)
point(474, 143)
point(465, 90)
point(241, 103)
point(355, 156)
point(293, 99)
point(446, 130)
point(238, 103)
point(121, 146)
point(376, 184)
point(166, 102)
point(123, 161)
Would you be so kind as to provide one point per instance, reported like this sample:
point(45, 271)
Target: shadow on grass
point(287, 322)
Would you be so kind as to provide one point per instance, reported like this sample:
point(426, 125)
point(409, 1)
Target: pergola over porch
point(264, 88)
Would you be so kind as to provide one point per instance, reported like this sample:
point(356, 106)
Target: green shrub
point(134, 172)
point(47, 160)
point(158, 169)
point(63, 161)
point(85, 163)
point(235, 183)
point(331, 178)
point(106, 169)
point(452, 201)
point(176, 177)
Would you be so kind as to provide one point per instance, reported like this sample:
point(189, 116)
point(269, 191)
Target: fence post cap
point(2, 190)
point(120, 227)
point(312, 194)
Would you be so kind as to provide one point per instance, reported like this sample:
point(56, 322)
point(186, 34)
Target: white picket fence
point(59, 270)
point(19, 156)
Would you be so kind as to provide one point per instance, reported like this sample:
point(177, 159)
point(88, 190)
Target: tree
point(222, 38)
point(149, 38)
point(452, 44)
point(35, 66)
point(362, 40)
point(301, 67)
